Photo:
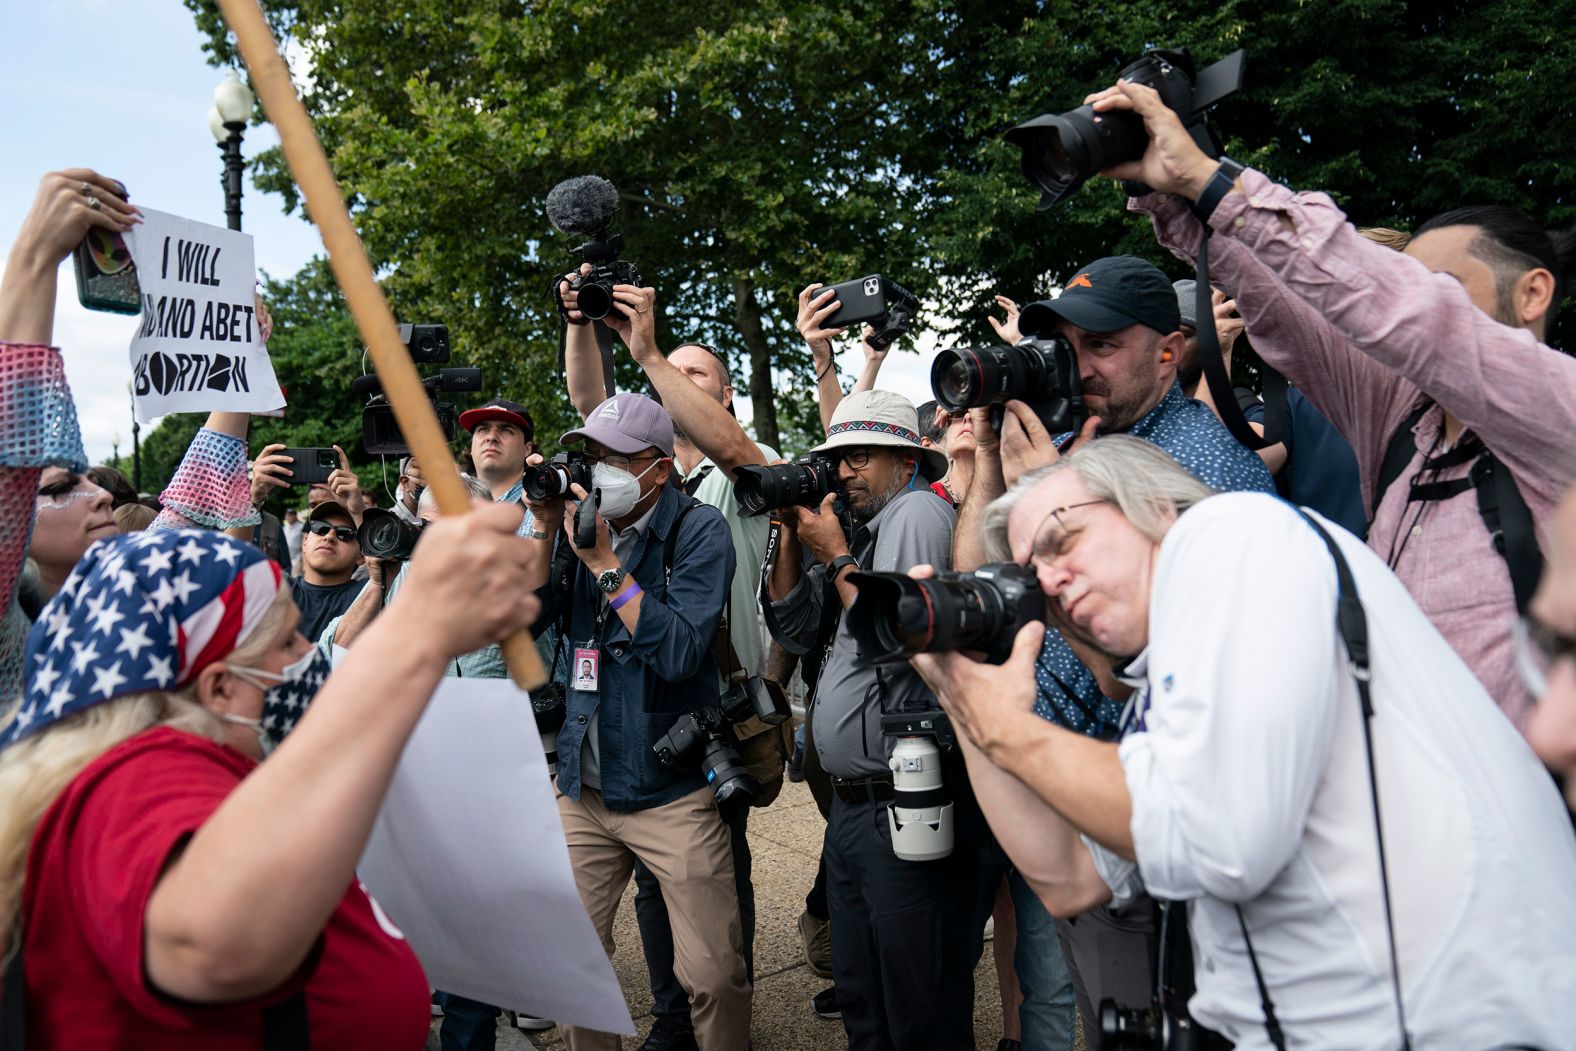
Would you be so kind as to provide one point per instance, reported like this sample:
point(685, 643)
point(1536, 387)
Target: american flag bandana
point(143, 611)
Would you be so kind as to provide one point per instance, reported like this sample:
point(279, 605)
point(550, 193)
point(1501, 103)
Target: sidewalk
point(785, 840)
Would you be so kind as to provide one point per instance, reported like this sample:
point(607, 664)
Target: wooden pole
point(309, 166)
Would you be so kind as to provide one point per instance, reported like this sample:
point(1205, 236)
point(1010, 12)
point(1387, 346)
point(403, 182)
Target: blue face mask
point(286, 693)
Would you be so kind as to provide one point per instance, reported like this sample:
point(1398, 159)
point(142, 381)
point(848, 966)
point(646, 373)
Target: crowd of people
point(1279, 756)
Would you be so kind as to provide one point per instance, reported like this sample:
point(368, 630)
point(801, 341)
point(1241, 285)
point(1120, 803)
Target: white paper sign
point(197, 347)
point(468, 858)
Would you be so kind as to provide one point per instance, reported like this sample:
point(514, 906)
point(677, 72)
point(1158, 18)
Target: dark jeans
point(468, 1025)
point(902, 936)
point(815, 901)
point(669, 1000)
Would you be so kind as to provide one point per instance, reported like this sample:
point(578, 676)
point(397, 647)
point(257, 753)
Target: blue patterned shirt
point(1196, 439)
point(516, 495)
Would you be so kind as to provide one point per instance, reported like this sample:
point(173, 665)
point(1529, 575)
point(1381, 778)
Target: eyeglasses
point(344, 534)
point(60, 495)
point(617, 462)
point(858, 458)
point(1537, 647)
point(1053, 536)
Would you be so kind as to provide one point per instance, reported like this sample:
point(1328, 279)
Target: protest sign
point(197, 347)
point(468, 860)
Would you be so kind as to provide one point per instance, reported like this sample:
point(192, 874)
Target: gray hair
point(478, 488)
point(1144, 483)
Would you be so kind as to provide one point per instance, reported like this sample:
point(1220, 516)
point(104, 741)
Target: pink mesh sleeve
point(210, 489)
point(38, 429)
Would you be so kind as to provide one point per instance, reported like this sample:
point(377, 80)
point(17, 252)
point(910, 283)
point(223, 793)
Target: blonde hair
point(37, 769)
point(1396, 240)
point(134, 518)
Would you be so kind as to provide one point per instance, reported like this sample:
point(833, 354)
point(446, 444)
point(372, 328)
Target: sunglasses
point(344, 534)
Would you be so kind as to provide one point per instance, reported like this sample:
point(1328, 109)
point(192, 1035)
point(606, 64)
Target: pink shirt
point(1367, 334)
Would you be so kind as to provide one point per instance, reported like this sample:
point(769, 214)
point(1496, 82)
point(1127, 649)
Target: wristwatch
point(838, 564)
point(1219, 185)
point(610, 580)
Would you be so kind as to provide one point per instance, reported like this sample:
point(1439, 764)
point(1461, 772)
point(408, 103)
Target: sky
point(64, 105)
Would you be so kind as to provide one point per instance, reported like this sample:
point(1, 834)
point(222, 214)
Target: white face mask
point(616, 491)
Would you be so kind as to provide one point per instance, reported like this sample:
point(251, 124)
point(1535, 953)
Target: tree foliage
point(762, 145)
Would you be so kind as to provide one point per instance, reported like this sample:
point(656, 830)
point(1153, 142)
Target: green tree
point(759, 146)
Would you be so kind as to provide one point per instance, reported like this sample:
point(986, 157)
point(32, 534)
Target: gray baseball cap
point(626, 423)
point(1187, 292)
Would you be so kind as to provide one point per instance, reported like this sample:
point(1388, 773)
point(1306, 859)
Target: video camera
point(584, 206)
point(428, 344)
point(1040, 372)
point(385, 535)
point(1061, 151)
point(896, 616)
point(709, 732)
point(803, 483)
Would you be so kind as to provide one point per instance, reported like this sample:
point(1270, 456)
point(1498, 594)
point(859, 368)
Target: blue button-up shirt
point(645, 682)
point(1196, 439)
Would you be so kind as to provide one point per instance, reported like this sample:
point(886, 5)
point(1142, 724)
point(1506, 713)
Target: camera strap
point(1219, 380)
point(1352, 624)
point(763, 593)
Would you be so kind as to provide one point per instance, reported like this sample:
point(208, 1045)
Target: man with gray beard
point(901, 952)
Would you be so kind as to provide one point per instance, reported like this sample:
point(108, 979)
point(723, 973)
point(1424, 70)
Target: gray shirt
point(914, 529)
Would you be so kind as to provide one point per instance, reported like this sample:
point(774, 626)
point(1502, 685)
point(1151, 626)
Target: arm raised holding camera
point(582, 356)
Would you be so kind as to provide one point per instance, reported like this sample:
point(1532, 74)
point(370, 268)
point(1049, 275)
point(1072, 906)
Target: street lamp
point(136, 444)
point(232, 108)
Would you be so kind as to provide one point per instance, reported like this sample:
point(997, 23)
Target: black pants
point(669, 1000)
point(902, 932)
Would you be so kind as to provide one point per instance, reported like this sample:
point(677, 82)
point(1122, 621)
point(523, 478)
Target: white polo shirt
point(1249, 784)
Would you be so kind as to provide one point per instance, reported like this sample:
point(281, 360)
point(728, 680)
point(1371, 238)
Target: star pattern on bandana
point(133, 615)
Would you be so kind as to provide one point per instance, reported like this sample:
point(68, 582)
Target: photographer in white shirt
point(1242, 779)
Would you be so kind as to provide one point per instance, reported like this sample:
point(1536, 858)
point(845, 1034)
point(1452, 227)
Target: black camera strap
point(1352, 623)
point(1219, 380)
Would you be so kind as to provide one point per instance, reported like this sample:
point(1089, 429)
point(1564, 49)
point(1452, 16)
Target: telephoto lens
point(803, 483)
point(1040, 372)
point(551, 480)
point(920, 814)
point(896, 616)
point(730, 782)
point(385, 535)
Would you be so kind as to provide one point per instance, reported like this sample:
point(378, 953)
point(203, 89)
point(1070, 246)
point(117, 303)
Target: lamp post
point(136, 444)
point(232, 108)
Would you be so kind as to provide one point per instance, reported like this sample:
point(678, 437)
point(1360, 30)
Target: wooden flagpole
point(406, 395)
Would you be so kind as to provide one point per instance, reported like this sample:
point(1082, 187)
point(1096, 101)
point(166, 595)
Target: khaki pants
point(686, 846)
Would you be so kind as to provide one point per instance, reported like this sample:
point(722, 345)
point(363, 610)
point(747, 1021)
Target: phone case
point(106, 275)
point(311, 465)
point(859, 301)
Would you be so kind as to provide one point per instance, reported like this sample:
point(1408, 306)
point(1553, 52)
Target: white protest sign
point(197, 347)
point(468, 859)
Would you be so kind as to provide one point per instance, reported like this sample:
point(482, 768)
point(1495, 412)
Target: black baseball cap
point(1108, 295)
point(504, 410)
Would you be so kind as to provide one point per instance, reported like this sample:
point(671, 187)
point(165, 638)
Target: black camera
point(551, 480)
point(428, 344)
point(1165, 1025)
point(881, 302)
point(595, 289)
point(1040, 372)
point(384, 534)
point(584, 206)
point(804, 483)
point(1062, 150)
point(896, 616)
point(547, 703)
point(709, 732)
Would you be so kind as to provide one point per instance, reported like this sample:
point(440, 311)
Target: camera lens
point(595, 299)
point(725, 772)
point(545, 481)
point(763, 489)
point(384, 535)
point(895, 616)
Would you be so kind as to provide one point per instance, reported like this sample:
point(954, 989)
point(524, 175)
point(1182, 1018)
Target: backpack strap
point(1398, 452)
point(285, 1026)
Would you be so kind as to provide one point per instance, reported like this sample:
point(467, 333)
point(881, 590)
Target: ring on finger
point(85, 189)
point(94, 203)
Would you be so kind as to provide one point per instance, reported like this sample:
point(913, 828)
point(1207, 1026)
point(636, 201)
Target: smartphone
point(859, 301)
point(310, 466)
point(106, 276)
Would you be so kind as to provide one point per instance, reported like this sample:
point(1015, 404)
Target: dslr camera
point(896, 616)
point(1040, 372)
point(1062, 150)
point(708, 733)
point(584, 207)
point(385, 535)
point(549, 708)
point(1165, 1025)
point(551, 480)
point(428, 344)
point(878, 301)
point(803, 483)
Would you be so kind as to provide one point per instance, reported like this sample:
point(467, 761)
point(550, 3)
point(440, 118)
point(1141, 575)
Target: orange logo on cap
point(1081, 281)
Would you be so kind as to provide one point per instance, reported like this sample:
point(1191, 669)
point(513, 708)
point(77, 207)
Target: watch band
point(1219, 185)
point(838, 564)
point(610, 580)
point(618, 601)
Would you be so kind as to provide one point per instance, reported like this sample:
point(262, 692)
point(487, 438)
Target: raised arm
point(814, 308)
point(582, 356)
point(874, 357)
point(239, 910)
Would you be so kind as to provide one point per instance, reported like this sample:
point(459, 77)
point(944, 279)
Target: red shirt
point(92, 867)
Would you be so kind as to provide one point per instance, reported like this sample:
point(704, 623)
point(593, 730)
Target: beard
point(866, 504)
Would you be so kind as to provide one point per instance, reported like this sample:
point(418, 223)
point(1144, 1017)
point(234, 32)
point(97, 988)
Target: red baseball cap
point(503, 410)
